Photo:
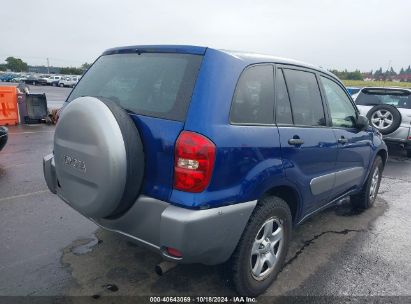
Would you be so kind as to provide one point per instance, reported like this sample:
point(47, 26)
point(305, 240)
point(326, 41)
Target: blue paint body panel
point(158, 137)
point(315, 158)
point(250, 160)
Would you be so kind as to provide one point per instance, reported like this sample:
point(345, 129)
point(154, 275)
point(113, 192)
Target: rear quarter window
point(253, 101)
point(152, 84)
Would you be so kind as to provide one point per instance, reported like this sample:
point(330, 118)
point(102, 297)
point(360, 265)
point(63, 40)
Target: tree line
point(17, 65)
point(377, 74)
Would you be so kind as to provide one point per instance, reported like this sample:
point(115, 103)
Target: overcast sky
point(348, 34)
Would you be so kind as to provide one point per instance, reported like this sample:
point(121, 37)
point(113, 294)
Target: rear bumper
point(206, 236)
point(400, 136)
point(3, 137)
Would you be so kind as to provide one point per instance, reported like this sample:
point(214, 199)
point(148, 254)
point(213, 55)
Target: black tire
point(364, 200)
point(394, 113)
point(135, 157)
point(246, 284)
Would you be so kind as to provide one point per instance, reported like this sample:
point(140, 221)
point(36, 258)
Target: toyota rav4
point(207, 156)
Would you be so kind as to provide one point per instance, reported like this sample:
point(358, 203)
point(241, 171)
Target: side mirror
point(362, 122)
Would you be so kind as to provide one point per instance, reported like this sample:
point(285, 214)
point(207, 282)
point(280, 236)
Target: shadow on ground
point(109, 264)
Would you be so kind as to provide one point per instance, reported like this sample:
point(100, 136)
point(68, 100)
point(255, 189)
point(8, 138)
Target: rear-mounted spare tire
point(99, 157)
point(385, 118)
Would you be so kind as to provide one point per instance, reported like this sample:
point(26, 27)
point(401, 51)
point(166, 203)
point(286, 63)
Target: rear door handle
point(342, 140)
point(295, 141)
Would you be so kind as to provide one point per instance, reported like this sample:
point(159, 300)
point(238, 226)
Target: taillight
point(193, 162)
point(174, 252)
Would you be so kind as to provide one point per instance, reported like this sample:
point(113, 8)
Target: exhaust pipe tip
point(164, 267)
point(158, 270)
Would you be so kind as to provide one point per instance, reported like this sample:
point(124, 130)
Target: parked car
point(35, 80)
point(389, 111)
point(68, 81)
point(45, 77)
point(6, 77)
point(19, 78)
point(3, 137)
point(54, 80)
point(207, 156)
point(353, 90)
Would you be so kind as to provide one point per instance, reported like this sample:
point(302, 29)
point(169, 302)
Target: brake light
point(193, 162)
point(174, 252)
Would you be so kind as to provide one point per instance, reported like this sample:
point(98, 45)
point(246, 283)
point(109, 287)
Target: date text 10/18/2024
point(202, 300)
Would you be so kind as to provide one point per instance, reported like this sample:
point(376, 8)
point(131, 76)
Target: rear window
point(397, 98)
point(158, 85)
point(305, 97)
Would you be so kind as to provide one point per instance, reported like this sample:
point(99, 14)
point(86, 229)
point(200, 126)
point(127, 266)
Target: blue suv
point(207, 156)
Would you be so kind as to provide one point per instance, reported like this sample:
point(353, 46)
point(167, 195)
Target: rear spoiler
point(139, 49)
point(382, 91)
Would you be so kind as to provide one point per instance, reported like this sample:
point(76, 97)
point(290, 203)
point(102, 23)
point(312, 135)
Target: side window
point(283, 107)
point(305, 98)
point(343, 113)
point(253, 100)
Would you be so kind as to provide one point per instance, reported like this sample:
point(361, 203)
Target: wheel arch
point(383, 154)
point(290, 195)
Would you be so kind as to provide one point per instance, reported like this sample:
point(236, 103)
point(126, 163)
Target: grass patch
point(361, 83)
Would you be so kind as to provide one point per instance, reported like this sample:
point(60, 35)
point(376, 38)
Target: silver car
point(389, 111)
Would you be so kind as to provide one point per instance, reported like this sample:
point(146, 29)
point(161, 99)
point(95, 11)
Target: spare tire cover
point(385, 118)
point(99, 157)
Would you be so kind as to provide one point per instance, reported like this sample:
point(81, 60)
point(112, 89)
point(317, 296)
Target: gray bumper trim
point(50, 172)
point(206, 236)
point(203, 236)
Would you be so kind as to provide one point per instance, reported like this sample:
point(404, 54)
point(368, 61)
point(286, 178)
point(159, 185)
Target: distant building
point(403, 77)
point(43, 69)
point(367, 76)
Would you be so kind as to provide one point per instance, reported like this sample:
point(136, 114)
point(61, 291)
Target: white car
point(389, 111)
point(69, 81)
point(53, 80)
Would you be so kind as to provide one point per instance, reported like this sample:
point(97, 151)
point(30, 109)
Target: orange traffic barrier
point(8, 106)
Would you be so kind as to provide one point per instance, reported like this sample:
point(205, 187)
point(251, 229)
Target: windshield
point(397, 98)
point(153, 84)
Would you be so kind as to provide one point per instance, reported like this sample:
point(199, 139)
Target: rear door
point(354, 146)
point(155, 89)
point(308, 143)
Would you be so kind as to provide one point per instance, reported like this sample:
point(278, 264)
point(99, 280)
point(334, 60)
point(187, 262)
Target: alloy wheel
point(266, 248)
point(374, 184)
point(382, 119)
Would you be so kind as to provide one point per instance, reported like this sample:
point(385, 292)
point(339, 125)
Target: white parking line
point(13, 166)
point(30, 132)
point(22, 195)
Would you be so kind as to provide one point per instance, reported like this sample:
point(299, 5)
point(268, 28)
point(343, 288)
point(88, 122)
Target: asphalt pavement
point(49, 249)
point(55, 95)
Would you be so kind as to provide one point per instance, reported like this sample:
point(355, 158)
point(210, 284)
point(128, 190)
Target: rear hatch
point(399, 98)
point(154, 85)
